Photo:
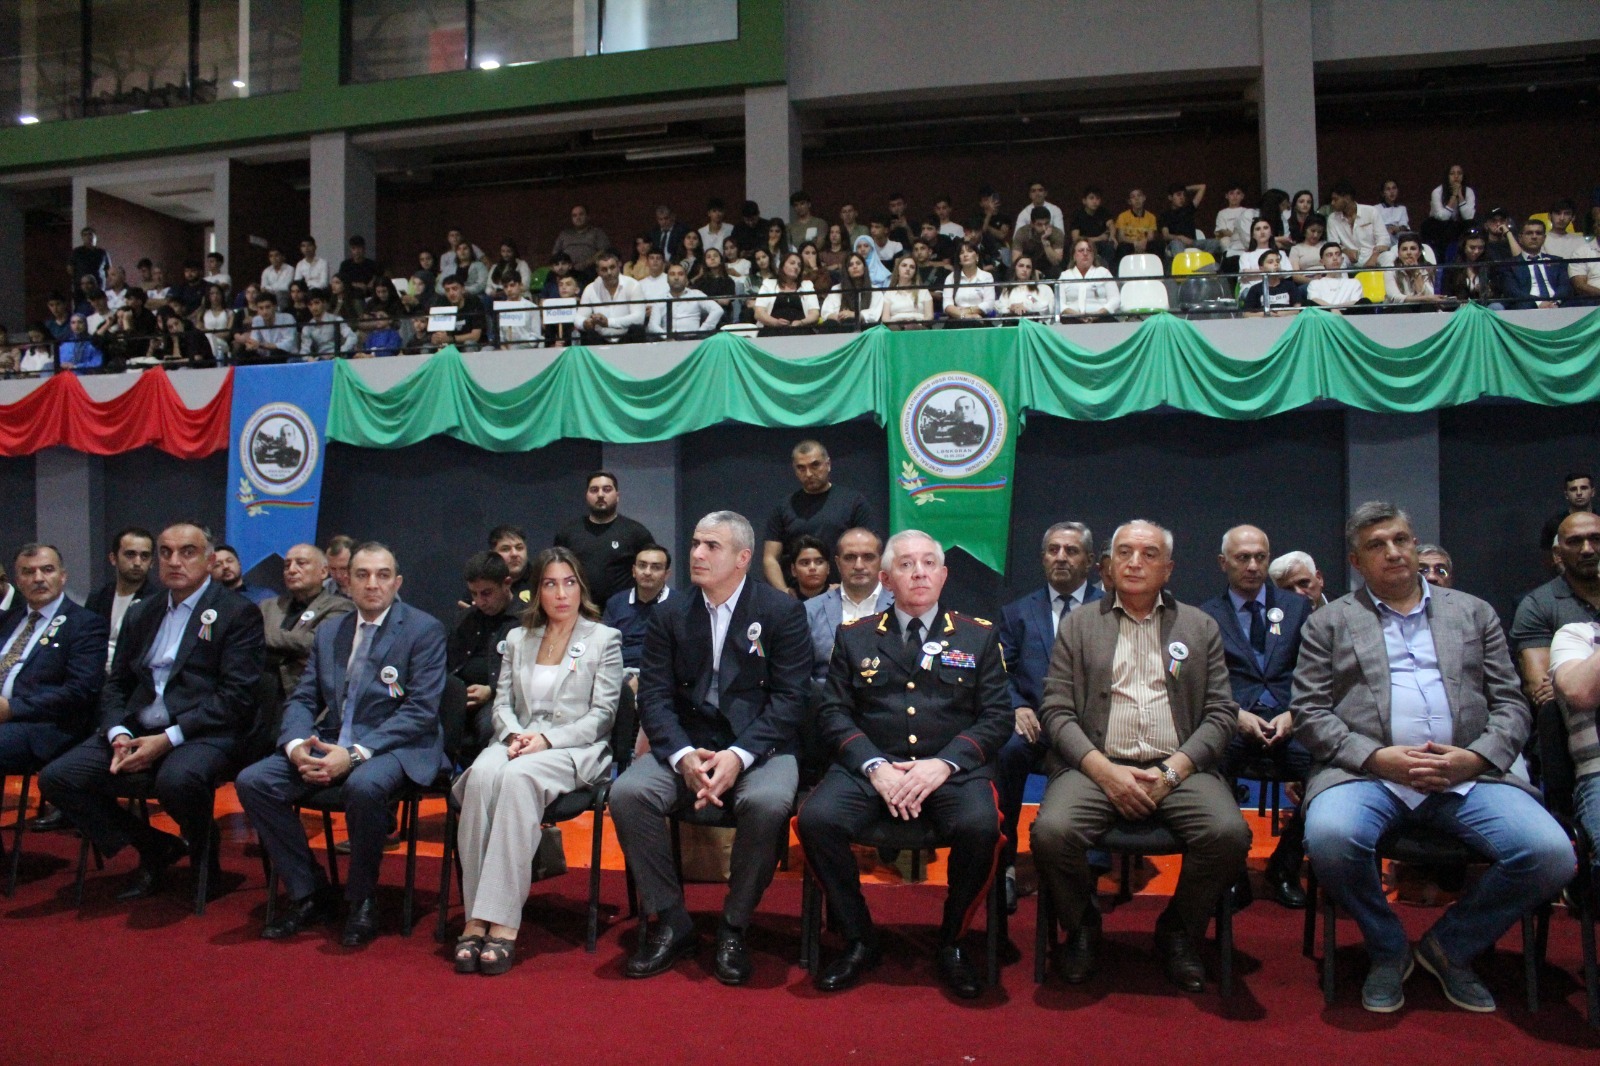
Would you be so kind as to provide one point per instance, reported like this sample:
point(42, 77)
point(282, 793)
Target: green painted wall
point(322, 104)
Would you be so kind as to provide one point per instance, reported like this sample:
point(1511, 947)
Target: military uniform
point(943, 696)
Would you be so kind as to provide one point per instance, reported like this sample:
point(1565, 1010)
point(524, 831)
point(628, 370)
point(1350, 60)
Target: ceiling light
point(489, 64)
point(28, 120)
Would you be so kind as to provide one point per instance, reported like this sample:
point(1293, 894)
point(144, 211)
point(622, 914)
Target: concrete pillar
point(13, 297)
point(771, 149)
point(69, 500)
point(221, 216)
point(647, 480)
point(344, 195)
point(1287, 97)
point(1394, 458)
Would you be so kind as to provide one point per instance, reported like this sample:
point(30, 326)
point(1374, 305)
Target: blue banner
point(280, 415)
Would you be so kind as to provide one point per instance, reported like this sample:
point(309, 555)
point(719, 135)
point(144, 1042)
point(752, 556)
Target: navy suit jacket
point(1516, 281)
point(1247, 677)
point(211, 691)
point(60, 681)
point(674, 246)
point(406, 725)
point(762, 698)
point(1027, 637)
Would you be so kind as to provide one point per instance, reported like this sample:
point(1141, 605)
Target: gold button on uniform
point(913, 738)
point(911, 684)
point(911, 710)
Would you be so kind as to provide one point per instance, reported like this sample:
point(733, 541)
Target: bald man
point(293, 617)
point(1260, 626)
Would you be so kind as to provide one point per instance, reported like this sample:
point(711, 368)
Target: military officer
point(915, 711)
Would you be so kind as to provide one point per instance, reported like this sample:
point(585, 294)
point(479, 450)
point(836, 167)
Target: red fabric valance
point(150, 414)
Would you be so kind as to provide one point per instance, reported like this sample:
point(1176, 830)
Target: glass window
point(40, 67)
point(272, 47)
point(634, 25)
point(509, 32)
point(400, 38)
point(138, 55)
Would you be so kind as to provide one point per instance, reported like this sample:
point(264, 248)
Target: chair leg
point(599, 827)
point(677, 847)
point(996, 929)
point(810, 922)
point(333, 856)
point(272, 893)
point(1308, 945)
point(16, 837)
point(1277, 805)
point(1530, 961)
point(1044, 938)
point(200, 863)
point(444, 873)
point(1591, 968)
point(1225, 944)
point(412, 808)
point(919, 867)
point(83, 868)
point(1125, 891)
point(1329, 937)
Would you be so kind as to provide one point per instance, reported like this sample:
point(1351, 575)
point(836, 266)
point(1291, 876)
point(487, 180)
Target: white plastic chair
point(1143, 265)
point(1143, 295)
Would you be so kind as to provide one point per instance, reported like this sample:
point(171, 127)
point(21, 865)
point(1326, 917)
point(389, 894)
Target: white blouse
point(976, 291)
point(1089, 293)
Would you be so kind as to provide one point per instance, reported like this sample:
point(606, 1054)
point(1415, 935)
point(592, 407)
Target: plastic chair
point(1372, 285)
point(1206, 296)
point(1193, 261)
point(1141, 265)
point(1144, 295)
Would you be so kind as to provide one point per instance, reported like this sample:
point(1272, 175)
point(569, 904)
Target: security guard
point(915, 711)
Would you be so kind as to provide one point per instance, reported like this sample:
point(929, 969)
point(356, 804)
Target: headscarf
point(876, 271)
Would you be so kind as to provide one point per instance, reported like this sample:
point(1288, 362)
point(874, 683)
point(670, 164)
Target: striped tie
point(18, 646)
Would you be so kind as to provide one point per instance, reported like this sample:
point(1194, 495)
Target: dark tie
point(1258, 627)
point(18, 646)
point(914, 632)
point(347, 723)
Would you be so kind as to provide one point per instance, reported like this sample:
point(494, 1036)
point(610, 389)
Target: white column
point(69, 501)
point(344, 195)
point(1287, 102)
point(771, 149)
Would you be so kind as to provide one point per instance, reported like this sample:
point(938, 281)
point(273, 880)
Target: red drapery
point(60, 413)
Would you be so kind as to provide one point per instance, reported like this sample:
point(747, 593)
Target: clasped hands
point(319, 762)
point(1265, 731)
point(130, 754)
point(904, 785)
point(1427, 767)
point(525, 744)
point(1134, 791)
point(709, 774)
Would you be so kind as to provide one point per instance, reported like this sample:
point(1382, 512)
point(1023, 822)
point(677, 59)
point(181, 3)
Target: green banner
point(954, 419)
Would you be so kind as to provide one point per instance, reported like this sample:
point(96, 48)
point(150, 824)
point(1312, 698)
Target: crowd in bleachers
point(807, 273)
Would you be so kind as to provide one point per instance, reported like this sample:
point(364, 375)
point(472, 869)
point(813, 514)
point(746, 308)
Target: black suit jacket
point(60, 681)
point(762, 693)
point(673, 249)
point(1248, 678)
point(100, 602)
point(1515, 281)
point(211, 691)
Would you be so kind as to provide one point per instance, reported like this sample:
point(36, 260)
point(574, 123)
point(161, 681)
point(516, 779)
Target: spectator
point(714, 280)
point(1302, 209)
point(653, 287)
point(1411, 284)
point(943, 209)
point(834, 248)
point(803, 225)
point(941, 249)
point(1135, 230)
point(854, 304)
point(508, 265)
point(341, 302)
point(310, 270)
point(146, 271)
point(382, 339)
point(1086, 289)
point(467, 330)
point(734, 261)
point(448, 261)
point(906, 304)
point(787, 302)
point(273, 335)
point(1396, 219)
point(867, 249)
point(277, 276)
point(561, 334)
point(691, 253)
point(79, 352)
point(1092, 223)
point(689, 314)
point(899, 225)
point(849, 219)
point(929, 272)
point(1452, 207)
point(190, 293)
point(1031, 296)
point(560, 267)
point(327, 334)
point(1232, 229)
point(384, 300)
point(1501, 242)
point(1356, 228)
point(667, 233)
point(1470, 277)
point(89, 259)
point(715, 231)
point(886, 247)
point(36, 356)
point(610, 307)
point(116, 288)
point(159, 289)
point(1276, 292)
point(57, 320)
point(751, 229)
point(1275, 208)
point(582, 241)
point(761, 270)
point(776, 244)
point(214, 274)
point(808, 567)
point(426, 274)
point(969, 292)
point(1534, 279)
point(179, 343)
point(1332, 288)
point(811, 269)
point(471, 271)
point(1305, 258)
point(518, 322)
point(1262, 240)
point(216, 319)
point(1038, 197)
point(1040, 241)
point(1179, 227)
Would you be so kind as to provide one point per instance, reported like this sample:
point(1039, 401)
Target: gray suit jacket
point(1340, 704)
point(823, 615)
point(585, 704)
point(289, 649)
point(1076, 709)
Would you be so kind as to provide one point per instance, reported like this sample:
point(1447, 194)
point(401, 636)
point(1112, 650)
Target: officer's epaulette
point(950, 626)
point(853, 621)
point(883, 622)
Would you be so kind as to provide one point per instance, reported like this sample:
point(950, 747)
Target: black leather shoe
point(846, 970)
point(958, 973)
point(1075, 959)
point(659, 951)
point(733, 960)
point(152, 872)
point(316, 909)
point(1284, 889)
point(48, 822)
point(1242, 894)
point(362, 925)
point(1181, 960)
point(1011, 892)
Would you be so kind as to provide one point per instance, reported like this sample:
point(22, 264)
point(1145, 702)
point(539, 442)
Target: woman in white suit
point(554, 706)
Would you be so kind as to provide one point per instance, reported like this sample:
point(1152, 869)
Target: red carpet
point(150, 983)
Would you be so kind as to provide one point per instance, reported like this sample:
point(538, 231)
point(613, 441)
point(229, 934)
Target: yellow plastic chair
point(1191, 261)
point(1372, 285)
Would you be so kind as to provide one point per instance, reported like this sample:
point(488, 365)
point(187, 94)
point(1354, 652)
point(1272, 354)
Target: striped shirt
point(1140, 728)
point(1575, 642)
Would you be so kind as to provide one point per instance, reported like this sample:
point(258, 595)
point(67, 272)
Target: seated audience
point(1533, 278)
point(786, 303)
point(1411, 283)
point(689, 314)
point(475, 646)
point(1470, 277)
point(291, 619)
point(1305, 257)
point(1091, 222)
point(273, 335)
point(854, 304)
point(1333, 289)
point(1040, 241)
point(969, 291)
point(629, 611)
point(1276, 292)
point(1396, 219)
point(1356, 228)
point(906, 303)
point(1135, 229)
point(1086, 288)
point(1452, 207)
point(808, 567)
point(1030, 296)
point(1297, 572)
point(610, 308)
point(326, 334)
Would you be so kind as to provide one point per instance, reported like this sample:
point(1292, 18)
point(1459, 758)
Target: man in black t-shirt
point(818, 509)
point(1578, 487)
point(604, 541)
point(358, 271)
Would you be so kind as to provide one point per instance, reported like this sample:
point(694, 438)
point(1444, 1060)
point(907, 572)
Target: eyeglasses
point(1437, 569)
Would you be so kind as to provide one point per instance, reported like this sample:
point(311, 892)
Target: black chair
point(1267, 773)
point(901, 836)
point(20, 828)
point(1137, 840)
point(139, 789)
point(1560, 779)
point(330, 801)
point(565, 808)
point(1420, 847)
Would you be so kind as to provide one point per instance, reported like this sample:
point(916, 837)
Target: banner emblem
point(953, 425)
point(278, 448)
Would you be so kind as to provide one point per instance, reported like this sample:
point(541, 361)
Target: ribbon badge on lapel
point(207, 617)
point(1275, 616)
point(1179, 652)
point(306, 616)
point(929, 650)
point(391, 677)
point(49, 634)
point(754, 635)
point(572, 656)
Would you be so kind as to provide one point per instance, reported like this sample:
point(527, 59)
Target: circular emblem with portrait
point(953, 424)
point(278, 448)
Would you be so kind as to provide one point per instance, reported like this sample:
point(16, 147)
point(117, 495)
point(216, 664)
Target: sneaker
point(1461, 986)
point(1383, 992)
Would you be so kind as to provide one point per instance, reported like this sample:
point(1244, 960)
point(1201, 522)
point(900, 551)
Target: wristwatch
point(872, 765)
point(356, 758)
point(1169, 774)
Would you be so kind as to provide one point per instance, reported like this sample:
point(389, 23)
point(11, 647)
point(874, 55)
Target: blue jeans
point(1586, 805)
point(1532, 860)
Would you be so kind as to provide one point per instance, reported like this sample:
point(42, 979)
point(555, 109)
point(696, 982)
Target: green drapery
point(1167, 362)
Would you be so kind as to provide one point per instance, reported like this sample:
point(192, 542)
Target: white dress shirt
point(620, 315)
point(314, 272)
point(850, 610)
point(721, 618)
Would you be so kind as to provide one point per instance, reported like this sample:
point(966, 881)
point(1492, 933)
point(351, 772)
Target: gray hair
point(1070, 527)
point(1370, 514)
point(891, 549)
point(317, 554)
point(1223, 547)
point(1434, 549)
point(1166, 534)
point(1279, 568)
point(744, 538)
point(32, 548)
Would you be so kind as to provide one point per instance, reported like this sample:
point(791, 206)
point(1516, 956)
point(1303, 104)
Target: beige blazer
point(585, 704)
point(288, 650)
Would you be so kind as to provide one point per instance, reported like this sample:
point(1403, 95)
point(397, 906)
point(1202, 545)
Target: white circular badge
point(500, 648)
point(1275, 614)
point(933, 647)
point(207, 617)
point(58, 619)
point(307, 615)
point(388, 675)
point(753, 634)
point(1178, 650)
point(576, 649)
